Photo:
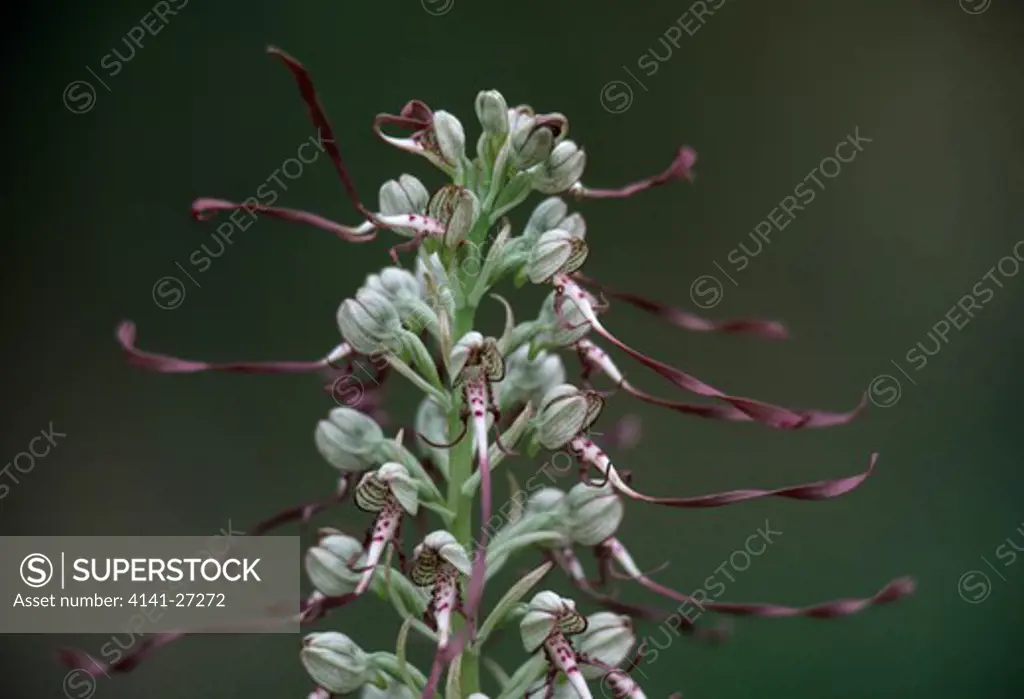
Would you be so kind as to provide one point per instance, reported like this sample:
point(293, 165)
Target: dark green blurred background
point(97, 212)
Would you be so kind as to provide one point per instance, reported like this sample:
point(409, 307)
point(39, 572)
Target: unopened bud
point(547, 215)
point(547, 501)
point(335, 662)
point(451, 138)
point(531, 145)
point(406, 195)
point(332, 564)
point(565, 412)
point(595, 513)
point(492, 111)
point(556, 252)
point(575, 224)
point(458, 209)
point(395, 283)
point(347, 439)
point(562, 169)
point(369, 322)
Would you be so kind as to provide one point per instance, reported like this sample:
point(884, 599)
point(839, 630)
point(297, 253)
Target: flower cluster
point(483, 397)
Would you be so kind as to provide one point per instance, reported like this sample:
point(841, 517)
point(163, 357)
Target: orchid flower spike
point(437, 563)
point(550, 619)
point(420, 323)
point(387, 491)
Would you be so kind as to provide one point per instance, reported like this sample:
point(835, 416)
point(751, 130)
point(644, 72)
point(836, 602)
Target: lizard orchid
point(421, 324)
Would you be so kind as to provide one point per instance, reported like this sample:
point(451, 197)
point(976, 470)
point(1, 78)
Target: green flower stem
point(460, 465)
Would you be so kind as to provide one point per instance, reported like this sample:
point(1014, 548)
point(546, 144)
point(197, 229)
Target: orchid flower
point(549, 622)
point(437, 563)
point(387, 492)
point(421, 325)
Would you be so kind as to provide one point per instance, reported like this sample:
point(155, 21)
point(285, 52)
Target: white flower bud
point(397, 283)
point(547, 501)
point(547, 613)
point(547, 215)
point(327, 564)
point(531, 144)
point(348, 439)
point(451, 138)
point(369, 322)
point(609, 638)
point(492, 111)
point(562, 169)
point(595, 513)
point(533, 136)
point(335, 662)
point(565, 412)
point(575, 224)
point(458, 209)
point(556, 251)
point(403, 289)
point(406, 195)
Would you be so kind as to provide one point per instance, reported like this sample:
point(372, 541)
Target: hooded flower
point(549, 622)
point(437, 563)
point(387, 491)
